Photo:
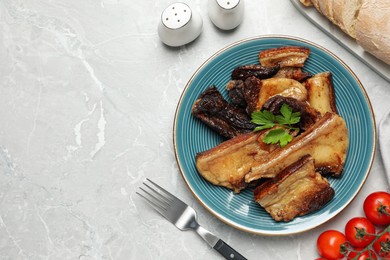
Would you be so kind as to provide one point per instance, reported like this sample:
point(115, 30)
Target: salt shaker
point(226, 14)
point(179, 25)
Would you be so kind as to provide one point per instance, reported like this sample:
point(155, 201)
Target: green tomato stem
point(377, 236)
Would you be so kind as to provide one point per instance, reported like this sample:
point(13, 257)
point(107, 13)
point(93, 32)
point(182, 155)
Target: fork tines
point(156, 196)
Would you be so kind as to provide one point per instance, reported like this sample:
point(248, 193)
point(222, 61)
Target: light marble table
point(88, 96)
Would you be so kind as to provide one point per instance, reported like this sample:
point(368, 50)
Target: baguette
point(326, 8)
point(316, 4)
point(338, 10)
point(306, 2)
point(373, 28)
point(350, 14)
point(366, 21)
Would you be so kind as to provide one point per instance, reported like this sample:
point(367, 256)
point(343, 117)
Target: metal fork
point(183, 216)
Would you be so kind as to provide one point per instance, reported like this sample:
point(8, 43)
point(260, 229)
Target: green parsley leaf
point(279, 135)
point(265, 120)
point(287, 117)
point(264, 117)
point(267, 126)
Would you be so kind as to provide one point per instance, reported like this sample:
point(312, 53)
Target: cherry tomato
point(377, 208)
point(364, 255)
point(329, 244)
point(358, 230)
point(382, 246)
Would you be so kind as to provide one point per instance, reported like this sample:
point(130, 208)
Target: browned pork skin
point(255, 92)
point(321, 94)
point(282, 87)
point(235, 90)
point(213, 110)
point(245, 94)
point(254, 70)
point(287, 56)
point(326, 141)
point(227, 163)
point(247, 157)
point(310, 191)
point(251, 93)
point(292, 73)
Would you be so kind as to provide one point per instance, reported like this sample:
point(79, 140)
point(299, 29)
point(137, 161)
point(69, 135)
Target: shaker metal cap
point(226, 14)
point(176, 15)
point(228, 4)
point(179, 25)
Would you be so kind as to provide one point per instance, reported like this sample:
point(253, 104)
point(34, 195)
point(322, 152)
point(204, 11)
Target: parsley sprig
point(265, 120)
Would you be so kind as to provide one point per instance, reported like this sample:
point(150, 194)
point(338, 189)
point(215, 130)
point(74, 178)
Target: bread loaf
point(367, 21)
point(306, 2)
point(338, 10)
point(373, 28)
point(326, 8)
point(350, 13)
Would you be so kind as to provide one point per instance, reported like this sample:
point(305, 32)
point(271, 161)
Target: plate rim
point(271, 36)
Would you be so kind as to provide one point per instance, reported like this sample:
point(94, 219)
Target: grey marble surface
point(88, 96)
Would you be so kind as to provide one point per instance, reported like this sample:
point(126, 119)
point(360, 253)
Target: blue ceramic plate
point(239, 210)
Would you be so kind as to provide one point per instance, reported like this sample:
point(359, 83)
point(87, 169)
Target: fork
point(183, 216)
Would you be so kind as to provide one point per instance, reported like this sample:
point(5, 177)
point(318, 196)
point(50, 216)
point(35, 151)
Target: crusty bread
point(367, 21)
point(338, 10)
point(326, 8)
point(351, 11)
point(343, 13)
point(306, 2)
point(373, 28)
point(316, 4)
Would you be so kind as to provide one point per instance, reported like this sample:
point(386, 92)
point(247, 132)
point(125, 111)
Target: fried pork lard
point(296, 191)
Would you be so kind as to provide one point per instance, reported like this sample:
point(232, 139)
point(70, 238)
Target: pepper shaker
point(226, 14)
point(179, 25)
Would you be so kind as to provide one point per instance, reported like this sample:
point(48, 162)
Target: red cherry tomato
point(382, 246)
point(377, 208)
point(364, 255)
point(358, 230)
point(329, 244)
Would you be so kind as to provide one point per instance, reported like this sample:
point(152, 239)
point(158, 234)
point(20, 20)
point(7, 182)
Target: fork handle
point(228, 252)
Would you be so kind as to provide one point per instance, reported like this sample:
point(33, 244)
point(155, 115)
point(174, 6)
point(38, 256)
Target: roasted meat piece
point(255, 92)
point(213, 110)
point(246, 156)
point(227, 163)
point(321, 94)
point(326, 141)
point(254, 70)
point(292, 73)
point(296, 191)
point(282, 87)
point(245, 94)
point(308, 114)
point(251, 93)
point(235, 90)
point(287, 56)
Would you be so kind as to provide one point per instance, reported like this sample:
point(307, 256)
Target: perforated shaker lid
point(228, 4)
point(176, 15)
